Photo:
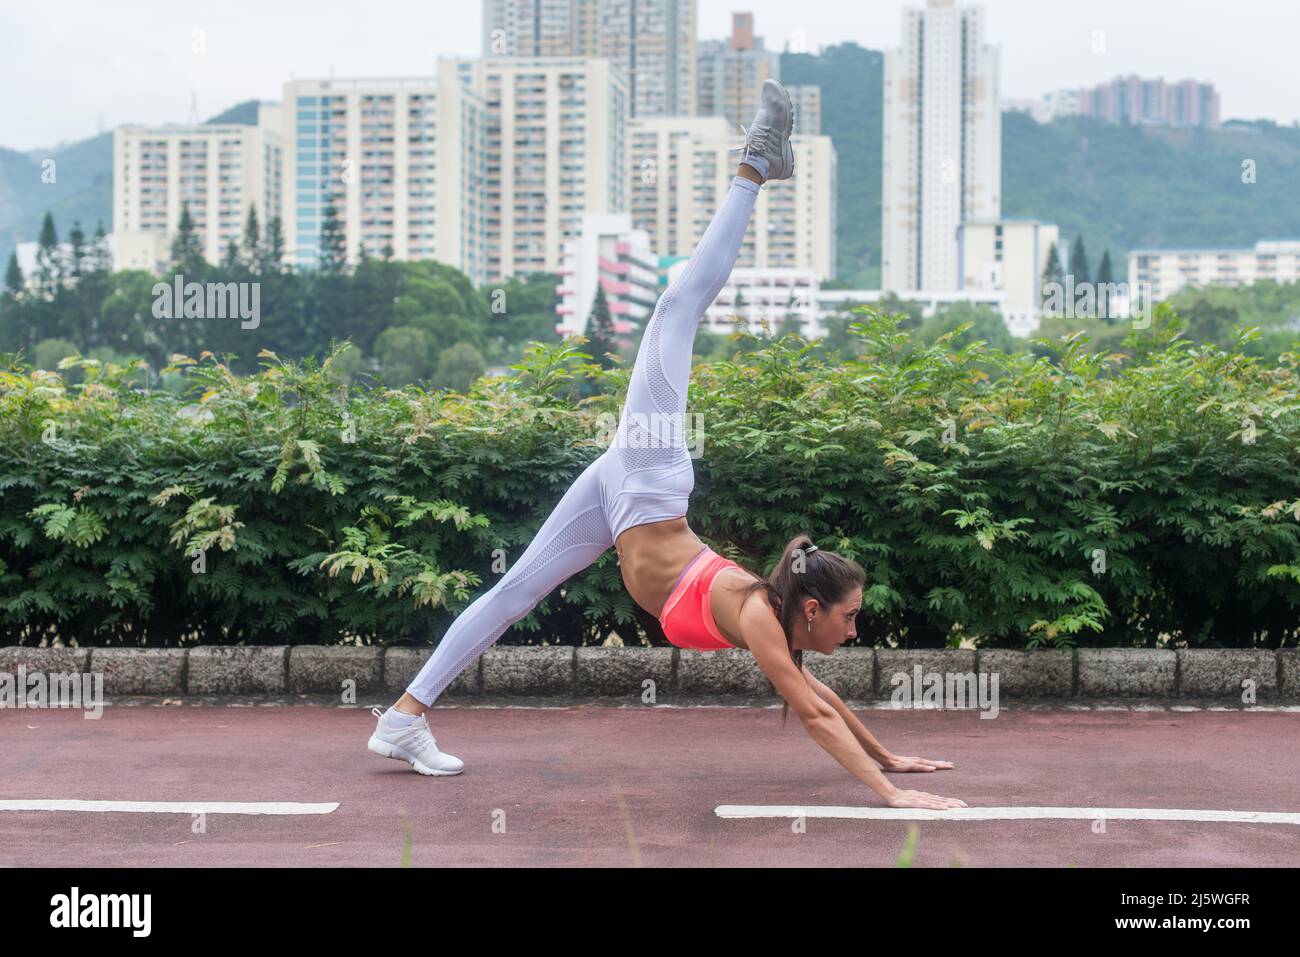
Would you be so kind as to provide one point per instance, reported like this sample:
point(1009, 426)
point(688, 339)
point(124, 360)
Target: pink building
point(1133, 100)
point(613, 256)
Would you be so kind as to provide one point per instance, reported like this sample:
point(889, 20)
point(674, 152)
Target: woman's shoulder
point(741, 581)
point(736, 573)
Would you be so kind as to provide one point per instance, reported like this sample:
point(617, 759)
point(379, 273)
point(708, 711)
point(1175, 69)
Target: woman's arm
point(860, 732)
point(822, 721)
point(888, 760)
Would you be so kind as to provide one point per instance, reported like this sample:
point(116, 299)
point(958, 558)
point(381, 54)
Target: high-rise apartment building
point(401, 160)
point(1133, 100)
point(682, 168)
point(555, 142)
point(807, 100)
point(218, 171)
point(537, 27)
point(942, 144)
point(653, 42)
point(731, 73)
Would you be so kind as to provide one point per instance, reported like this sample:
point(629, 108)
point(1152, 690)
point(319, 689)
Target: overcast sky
point(70, 67)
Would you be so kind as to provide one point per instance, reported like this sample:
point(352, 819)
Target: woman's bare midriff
point(650, 558)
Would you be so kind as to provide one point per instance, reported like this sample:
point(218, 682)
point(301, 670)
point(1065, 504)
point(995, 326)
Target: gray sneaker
point(414, 745)
point(768, 137)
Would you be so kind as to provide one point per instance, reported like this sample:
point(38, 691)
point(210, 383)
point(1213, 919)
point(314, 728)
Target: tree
point(187, 249)
point(230, 261)
point(790, 323)
point(1210, 322)
point(347, 365)
point(126, 320)
point(891, 304)
point(251, 245)
point(48, 352)
point(77, 239)
point(101, 257)
point(600, 330)
point(458, 367)
point(1079, 262)
point(1052, 274)
point(1105, 276)
point(272, 249)
point(839, 343)
point(14, 275)
point(47, 255)
point(369, 302)
point(520, 309)
point(987, 324)
point(1105, 271)
point(404, 355)
point(333, 255)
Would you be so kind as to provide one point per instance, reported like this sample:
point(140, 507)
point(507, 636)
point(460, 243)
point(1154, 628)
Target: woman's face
point(831, 627)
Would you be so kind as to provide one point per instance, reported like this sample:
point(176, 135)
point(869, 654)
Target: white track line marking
point(173, 807)
point(1007, 813)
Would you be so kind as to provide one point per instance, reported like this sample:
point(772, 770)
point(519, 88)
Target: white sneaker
point(769, 135)
point(412, 744)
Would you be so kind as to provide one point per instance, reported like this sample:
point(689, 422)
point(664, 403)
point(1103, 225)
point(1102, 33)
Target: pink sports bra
point(686, 617)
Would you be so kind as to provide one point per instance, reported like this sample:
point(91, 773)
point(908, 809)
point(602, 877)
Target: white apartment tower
point(400, 159)
point(807, 100)
point(536, 27)
point(217, 171)
point(682, 168)
point(555, 142)
point(942, 144)
point(653, 42)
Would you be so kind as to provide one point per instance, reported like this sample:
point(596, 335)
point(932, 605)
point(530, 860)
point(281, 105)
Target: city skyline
point(161, 68)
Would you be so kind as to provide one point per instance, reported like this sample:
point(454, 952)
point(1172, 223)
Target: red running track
point(637, 786)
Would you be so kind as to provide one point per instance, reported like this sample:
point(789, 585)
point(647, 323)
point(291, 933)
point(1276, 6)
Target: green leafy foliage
point(1045, 497)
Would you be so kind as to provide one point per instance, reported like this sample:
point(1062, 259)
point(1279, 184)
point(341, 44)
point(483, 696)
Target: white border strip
point(1007, 813)
point(173, 807)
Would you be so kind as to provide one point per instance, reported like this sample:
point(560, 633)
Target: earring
point(810, 624)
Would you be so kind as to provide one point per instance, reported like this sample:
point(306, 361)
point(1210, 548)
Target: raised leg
point(572, 537)
point(656, 395)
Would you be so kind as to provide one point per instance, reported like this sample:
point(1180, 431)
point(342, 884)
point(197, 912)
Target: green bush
point(1054, 498)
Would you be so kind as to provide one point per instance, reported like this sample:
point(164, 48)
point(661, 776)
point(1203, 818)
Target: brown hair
point(825, 576)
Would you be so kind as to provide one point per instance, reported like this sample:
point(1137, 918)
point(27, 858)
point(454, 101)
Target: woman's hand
point(922, 799)
point(900, 763)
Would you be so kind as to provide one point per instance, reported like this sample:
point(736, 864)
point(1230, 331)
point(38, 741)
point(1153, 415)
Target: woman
point(634, 498)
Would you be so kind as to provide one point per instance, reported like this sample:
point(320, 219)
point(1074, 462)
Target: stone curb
point(329, 668)
point(238, 669)
point(528, 670)
point(140, 670)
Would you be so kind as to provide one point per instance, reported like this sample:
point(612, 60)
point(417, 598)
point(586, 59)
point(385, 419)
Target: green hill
point(1130, 187)
point(851, 80)
point(241, 114)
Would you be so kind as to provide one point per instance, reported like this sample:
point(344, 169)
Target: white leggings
point(644, 476)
